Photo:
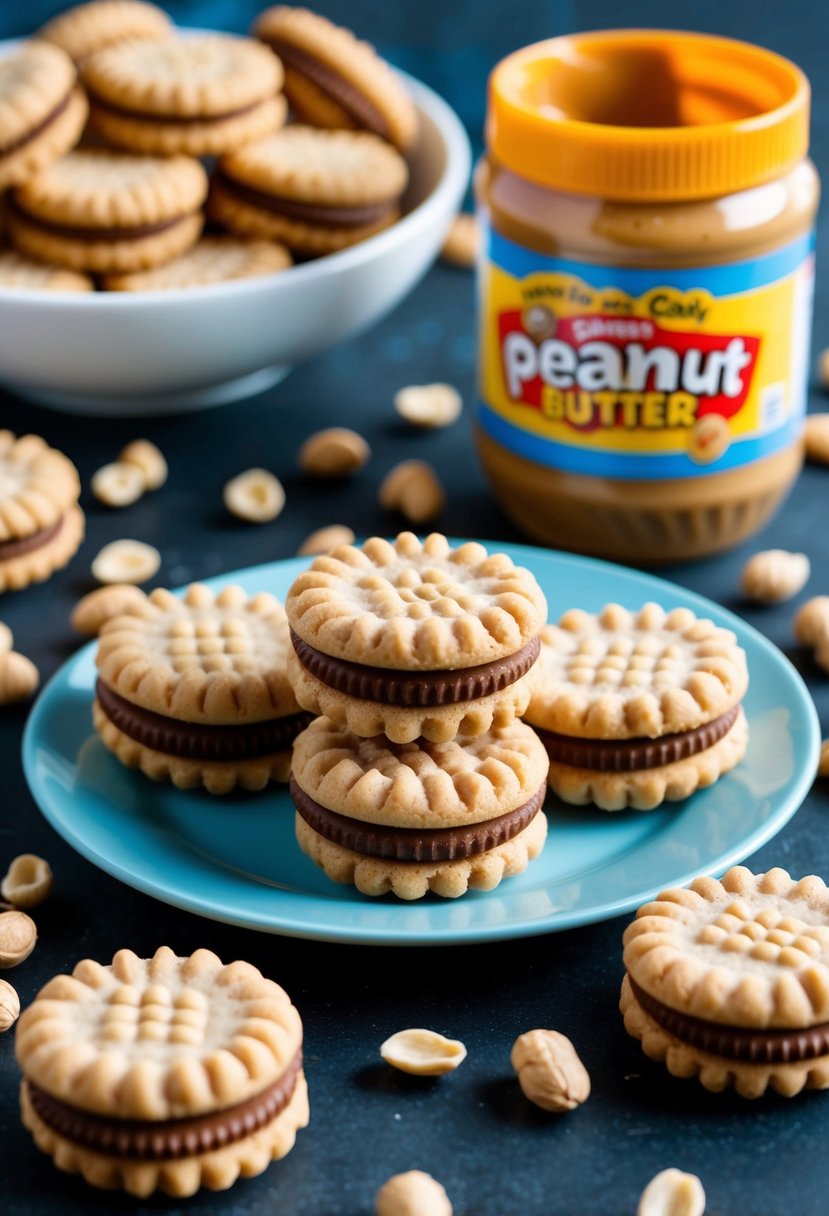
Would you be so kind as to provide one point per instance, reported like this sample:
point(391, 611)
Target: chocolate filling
point(194, 741)
point(356, 104)
point(415, 844)
point(309, 213)
point(736, 1043)
point(172, 1139)
point(420, 689)
point(633, 755)
point(172, 119)
point(38, 129)
point(25, 544)
point(89, 235)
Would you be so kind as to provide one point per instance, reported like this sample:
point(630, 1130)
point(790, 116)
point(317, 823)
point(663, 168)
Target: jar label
point(643, 374)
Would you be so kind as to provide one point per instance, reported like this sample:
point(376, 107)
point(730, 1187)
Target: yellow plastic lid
point(648, 114)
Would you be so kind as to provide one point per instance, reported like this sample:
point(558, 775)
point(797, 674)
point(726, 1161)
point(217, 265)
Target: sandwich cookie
point(202, 96)
point(162, 1074)
point(41, 524)
point(42, 110)
point(334, 80)
point(98, 210)
point(195, 690)
point(214, 259)
point(87, 28)
point(418, 817)
point(415, 638)
point(316, 191)
point(729, 982)
point(638, 707)
point(20, 272)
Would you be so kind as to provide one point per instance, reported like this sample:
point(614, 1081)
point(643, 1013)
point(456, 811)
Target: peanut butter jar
point(645, 290)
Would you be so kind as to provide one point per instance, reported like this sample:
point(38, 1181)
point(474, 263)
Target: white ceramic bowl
point(128, 355)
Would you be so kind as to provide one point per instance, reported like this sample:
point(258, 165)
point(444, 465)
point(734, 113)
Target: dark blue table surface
point(496, 1155)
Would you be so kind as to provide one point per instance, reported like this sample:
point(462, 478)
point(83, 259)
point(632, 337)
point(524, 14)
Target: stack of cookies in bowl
point(107, 116)
point(418, 775)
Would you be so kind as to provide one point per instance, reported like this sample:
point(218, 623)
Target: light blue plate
point(235, 858)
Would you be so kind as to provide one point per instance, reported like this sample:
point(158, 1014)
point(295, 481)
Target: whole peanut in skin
point(775, 575)
point(9, 1006)
point(550, 1073)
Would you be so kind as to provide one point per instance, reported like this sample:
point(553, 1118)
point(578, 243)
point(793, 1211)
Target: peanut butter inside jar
point(645, 288)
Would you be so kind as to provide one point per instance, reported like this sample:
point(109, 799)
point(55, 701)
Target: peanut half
point(336, 452)
point(423, 1052)
point(412, 488)
point(9, 1006)
point(28, 881)
point(816, 435)
point(460, 246)
point(672, 1193)
point(429, 405)
point(149, 460)
point(6, 637)
point(18, 935)
point(550, 1073)
point(126, 561)
point(255, 496)
point(413, 1194)
point(91, 612)
point(325, 539)
point(118, 485)
point(19, 677)
point(775, 575)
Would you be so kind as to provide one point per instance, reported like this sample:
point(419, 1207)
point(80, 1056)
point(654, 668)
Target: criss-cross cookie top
point(159, 1038)
point(618, 674)
point(750, 951)
point(416, 605)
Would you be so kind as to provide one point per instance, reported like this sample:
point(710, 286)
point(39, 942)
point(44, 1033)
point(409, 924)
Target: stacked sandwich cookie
point(729, 982)
point(195, 690)
point(162, 1074)
point(420, 657)
point(636, 708)
point(41, 524)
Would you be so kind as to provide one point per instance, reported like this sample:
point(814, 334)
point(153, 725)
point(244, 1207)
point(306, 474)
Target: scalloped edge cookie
point(84, 29)
point(400, 724)
point(17, 573)
point(627, 704)
point(412, 880)
point(49, 485)
point(648, 788)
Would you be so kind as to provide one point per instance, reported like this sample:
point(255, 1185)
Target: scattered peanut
point(550, 1073)
point(823, 367)
point(672, 1193)
point(118, 485)
point(775, 575)
point(90, 613)
point(255, 496)
point(460, 246)
point(413, 1194)
point(126, 561)
point(336, 452)
point(325, 539)
point(823, 763)
point(817, 436)
point(28, 881)
point(429, 405)
point(9, 1006)
point(413, 489)
point(811, 628)
point(19, 677)
point(18, 935)
point(6, 639)
point(423, 1052)
point(149, 460)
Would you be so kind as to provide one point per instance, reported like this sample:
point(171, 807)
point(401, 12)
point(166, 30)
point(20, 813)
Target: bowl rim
point(456, 173)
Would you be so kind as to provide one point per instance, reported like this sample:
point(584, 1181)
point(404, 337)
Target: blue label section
point(638, 466)
point(729, 280)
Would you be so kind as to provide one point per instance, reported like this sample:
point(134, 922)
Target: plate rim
point(477, 935)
